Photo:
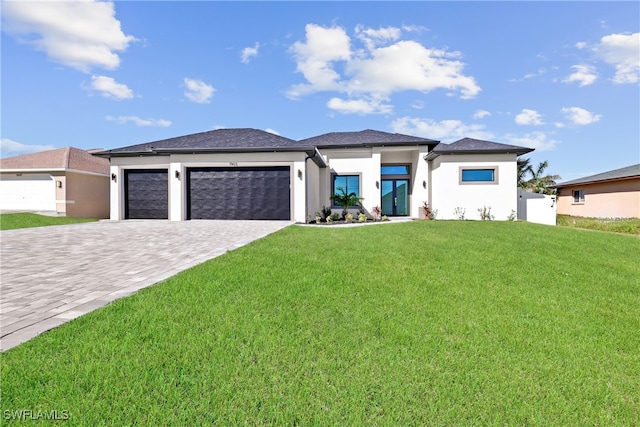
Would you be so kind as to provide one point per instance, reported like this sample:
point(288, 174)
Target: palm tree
point(345, 200)
point(524, 168)
point(539, 182)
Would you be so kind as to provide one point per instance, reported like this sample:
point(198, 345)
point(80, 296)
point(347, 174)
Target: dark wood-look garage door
point(238, 193)
point(146, 194)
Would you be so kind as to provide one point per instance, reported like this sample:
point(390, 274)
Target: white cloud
point(418, 105)
point(623, 52)
point(249, 52)
point(121, 120)
point(315, 59)
point(445, 130)
point(78, 34)
point(414, 28)
point(581, 45)
point(384, 66)
point(275, 132)
point(407, 65)
point(372, 38)
point(529, 117)
point(198, 91)
point(109, 88)
point(10, 148)
point(537, 140)
point(583, 74)
point(481, 114)
point(580, 116)
point(527, 76)
point(359, 106)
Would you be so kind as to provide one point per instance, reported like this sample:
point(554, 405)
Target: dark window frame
point(334, 188)
point(578, 196)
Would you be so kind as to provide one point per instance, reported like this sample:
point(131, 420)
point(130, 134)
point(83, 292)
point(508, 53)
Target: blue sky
point(561, 77)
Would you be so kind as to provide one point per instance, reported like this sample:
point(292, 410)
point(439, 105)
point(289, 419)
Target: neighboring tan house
point(252, 174)
point(66, 181)
point(612, 194)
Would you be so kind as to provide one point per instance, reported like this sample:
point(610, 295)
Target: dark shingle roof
point(622, 173)
point(214, 140)
point(476, 146)
point(365, 138)
point(68, 158)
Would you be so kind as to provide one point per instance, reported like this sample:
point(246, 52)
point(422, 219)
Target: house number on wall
point(233, 163)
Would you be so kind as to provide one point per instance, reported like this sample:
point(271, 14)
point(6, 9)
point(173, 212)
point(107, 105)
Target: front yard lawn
point(615, 225)
point(28, 220)
point(419, 323)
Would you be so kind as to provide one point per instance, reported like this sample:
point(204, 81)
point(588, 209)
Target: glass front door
point(395, 197)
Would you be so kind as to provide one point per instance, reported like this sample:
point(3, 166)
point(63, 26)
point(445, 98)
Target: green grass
point(28, 220)
point(615, 225)
point(420, 323)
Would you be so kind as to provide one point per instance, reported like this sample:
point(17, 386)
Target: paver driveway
point(50, 275)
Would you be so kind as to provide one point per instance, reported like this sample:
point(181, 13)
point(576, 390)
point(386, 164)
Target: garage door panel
point(239, 193)
point(29, 192)
point(147, 194)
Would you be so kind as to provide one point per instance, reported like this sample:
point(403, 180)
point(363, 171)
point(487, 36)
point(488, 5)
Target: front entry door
point(395, 197)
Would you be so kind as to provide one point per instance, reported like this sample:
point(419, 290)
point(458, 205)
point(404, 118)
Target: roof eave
point(377, 144)
point(596, 181)
point(312, 152)
point(433, 154)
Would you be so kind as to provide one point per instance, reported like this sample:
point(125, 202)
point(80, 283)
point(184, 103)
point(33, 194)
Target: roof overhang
point(52, 170)
point(376, 144)
point(434, 154)
point(311, 152)
point(595, 181)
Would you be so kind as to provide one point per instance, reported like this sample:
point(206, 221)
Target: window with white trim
point(578, 196)
point(478, 175)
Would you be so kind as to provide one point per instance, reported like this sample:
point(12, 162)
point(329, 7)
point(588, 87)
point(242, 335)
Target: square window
point(349, 183)
point(578, 196)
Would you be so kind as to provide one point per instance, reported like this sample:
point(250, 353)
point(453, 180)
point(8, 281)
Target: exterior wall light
point(299, 174)
point(177, 174)
point(59, 184)
point(114, 177)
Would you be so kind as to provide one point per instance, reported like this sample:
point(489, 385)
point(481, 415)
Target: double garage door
point(212, 193)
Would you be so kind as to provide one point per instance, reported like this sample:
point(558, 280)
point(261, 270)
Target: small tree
point(341, 198)
point(538, 181)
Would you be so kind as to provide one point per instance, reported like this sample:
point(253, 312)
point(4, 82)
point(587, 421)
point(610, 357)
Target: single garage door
point(28, 192)
point(238, 193)
point(146, 194)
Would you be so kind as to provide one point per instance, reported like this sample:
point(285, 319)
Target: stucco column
point(177, 182)
point(374, 197)
point(298, 192)
point(116, 193)
point(421, 183)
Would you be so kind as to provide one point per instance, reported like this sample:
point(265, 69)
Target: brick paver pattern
point(50, 275)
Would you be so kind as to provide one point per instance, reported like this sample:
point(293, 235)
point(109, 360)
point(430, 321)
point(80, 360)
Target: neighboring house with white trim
point(65, 181)
point(252, 174)
point(611, 194)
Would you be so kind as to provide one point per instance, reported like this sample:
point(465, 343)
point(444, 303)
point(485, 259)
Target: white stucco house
point(252, 174)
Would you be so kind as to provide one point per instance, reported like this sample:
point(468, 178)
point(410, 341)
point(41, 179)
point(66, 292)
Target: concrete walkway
point(50, 275)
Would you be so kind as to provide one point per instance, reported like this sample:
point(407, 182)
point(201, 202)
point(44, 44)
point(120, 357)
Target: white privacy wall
point(447, 193)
